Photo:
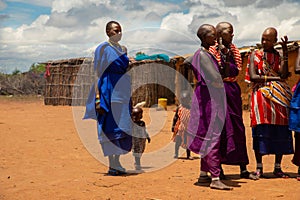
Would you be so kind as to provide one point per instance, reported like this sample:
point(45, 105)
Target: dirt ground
point(43, 156)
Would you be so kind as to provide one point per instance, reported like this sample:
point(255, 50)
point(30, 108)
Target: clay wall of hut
point(151, 80)
point(68, 82)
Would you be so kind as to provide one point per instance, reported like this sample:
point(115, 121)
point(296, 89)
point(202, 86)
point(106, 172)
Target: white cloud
point(240, 3)
point(65, 5)
point(2, 5)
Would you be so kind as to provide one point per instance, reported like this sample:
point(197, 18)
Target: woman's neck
point(205, 46)
point(114, 43)
point(271, 50)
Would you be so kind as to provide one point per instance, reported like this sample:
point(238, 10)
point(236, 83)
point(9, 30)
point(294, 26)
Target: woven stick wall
point(69, 82)
point(184, 80)
point(151, 80)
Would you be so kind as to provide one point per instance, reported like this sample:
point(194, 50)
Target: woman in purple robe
point(110, 102)
point(229, 58)
point(208, 109)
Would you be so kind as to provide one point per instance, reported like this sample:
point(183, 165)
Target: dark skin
point(225, 33)
point(114, 32)
point(225, 37)
point(137, 115)
point(268, 39)
point(207, 35)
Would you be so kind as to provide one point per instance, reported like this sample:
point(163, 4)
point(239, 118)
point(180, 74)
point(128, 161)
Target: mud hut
point(151, 80)
point(68, 81)
point(184, 79)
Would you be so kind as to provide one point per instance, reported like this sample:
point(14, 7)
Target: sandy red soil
point(43, 157)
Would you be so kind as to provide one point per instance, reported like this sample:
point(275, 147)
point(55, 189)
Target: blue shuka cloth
point(114, 85)
point(294, 117)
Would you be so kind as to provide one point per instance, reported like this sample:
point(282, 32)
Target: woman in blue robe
point(113, 91)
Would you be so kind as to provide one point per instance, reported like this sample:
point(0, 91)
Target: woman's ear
point(108, 33)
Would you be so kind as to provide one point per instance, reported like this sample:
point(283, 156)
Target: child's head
point(137, 114)
point(185, 98)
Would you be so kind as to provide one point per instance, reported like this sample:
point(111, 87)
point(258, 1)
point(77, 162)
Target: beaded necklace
point(116, 45)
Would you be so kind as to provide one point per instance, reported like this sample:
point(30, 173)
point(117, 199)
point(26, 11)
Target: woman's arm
point(209, 70)
point(254, 77)
point(284, 68)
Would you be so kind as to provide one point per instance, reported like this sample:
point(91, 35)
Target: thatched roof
point(71, 61)
point(292, 46)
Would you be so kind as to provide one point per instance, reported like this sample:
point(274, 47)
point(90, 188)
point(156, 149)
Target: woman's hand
point(100, 110)
point(283, 43)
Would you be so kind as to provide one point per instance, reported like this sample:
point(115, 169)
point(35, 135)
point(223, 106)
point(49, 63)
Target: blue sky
point(37, 31)
point(18, 13)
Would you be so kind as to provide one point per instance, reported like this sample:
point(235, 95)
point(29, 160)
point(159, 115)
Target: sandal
point(258, 174)
point(190, 158)
point(280, 174)
point(121, 170)
point(204, 179)
point(248, 175)
point(112, 172)
point(116, 172)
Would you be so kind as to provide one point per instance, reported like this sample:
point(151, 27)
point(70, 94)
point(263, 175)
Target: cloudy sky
point(37, 30)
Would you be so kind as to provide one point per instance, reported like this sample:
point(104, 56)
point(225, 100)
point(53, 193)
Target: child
point(139, 136)
point(180, 121)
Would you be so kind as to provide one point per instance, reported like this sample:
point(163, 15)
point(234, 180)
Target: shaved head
point(223, 26)
point(271, 31)
point(269, 38)
point(204, 30)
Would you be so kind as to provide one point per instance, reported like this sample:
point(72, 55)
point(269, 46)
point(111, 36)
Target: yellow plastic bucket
point(162, 102)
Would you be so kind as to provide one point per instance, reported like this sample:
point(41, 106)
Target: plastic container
point(162, 102)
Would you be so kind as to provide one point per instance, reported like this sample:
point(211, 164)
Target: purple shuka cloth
point(234, 129)
point(208, 113)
